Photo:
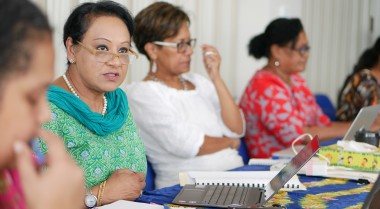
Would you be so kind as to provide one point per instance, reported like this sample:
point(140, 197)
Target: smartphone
point(40, 157)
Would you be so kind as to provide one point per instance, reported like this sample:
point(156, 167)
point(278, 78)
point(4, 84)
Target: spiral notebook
point(237, 178)
point(236, 189)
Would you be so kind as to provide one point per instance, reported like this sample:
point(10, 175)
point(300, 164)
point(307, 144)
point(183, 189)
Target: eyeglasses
point(181, 46)
point(106, 56)
point(302, 50)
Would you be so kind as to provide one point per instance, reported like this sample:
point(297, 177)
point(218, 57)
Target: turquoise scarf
point(115, 117)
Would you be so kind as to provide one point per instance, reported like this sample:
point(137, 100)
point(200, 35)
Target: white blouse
point(173, 124)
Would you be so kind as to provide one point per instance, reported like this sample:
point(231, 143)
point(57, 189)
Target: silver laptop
point(239, 196)
point(364, 119)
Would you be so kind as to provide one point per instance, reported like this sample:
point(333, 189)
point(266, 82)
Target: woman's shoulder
point(147, 92)
point(138, 88)
point(264, 79)
point(202, 84)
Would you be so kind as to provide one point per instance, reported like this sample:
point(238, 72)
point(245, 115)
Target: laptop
point(372, 200)
point(364, 119)
point(222, 196)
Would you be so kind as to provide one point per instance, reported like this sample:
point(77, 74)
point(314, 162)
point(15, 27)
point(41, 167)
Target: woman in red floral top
point(277, 103)
point(26, 67)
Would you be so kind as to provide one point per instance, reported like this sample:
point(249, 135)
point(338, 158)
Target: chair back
point(326, 105)
point(149, 179)
point(243, 151)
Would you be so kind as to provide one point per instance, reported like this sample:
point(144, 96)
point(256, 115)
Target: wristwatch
point(90, 200)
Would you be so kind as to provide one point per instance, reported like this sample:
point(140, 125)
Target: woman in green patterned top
point(90, 112)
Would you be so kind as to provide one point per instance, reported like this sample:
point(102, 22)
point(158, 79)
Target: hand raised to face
point(211, 60)
point(61, 185)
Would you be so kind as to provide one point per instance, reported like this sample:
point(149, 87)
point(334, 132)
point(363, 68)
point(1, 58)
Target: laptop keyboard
point(227, 195)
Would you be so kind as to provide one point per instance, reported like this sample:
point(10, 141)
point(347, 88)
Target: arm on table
point(214, 144)
point(336, 129)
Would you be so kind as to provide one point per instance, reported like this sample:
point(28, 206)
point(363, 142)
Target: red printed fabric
point(276, 113)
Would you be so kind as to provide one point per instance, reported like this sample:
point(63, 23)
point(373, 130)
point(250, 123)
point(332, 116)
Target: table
point(321, 193)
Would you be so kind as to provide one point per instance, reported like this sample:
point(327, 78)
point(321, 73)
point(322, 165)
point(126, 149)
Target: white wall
point(338, 32)
point(252, 18)
point(229, 24)
point(375, 14)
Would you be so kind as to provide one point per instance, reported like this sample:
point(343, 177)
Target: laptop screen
point(364, 119)
point(295, 164)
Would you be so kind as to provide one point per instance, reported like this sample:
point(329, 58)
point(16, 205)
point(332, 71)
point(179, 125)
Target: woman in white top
point(186, 121)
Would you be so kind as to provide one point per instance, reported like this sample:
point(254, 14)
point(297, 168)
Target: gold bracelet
point(104, 187)
point(100, 193)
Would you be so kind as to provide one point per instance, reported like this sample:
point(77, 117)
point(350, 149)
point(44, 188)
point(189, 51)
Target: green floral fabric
point(99, 156)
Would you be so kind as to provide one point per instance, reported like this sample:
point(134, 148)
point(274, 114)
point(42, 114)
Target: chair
point(243, 151)
point(149, 179)
point(326, 105)
point(150, 175)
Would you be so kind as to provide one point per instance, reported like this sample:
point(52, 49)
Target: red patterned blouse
point(276, 113)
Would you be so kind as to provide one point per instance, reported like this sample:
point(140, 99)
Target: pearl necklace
point(75, 93)
point(180, 78)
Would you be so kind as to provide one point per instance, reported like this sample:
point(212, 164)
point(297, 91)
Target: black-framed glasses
point(181, 46)
point(302, 50)
point(106, 56)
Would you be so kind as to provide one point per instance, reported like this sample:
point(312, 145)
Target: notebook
point(234, 178)
point(125, 204)
point(235, 196)
point(364, 119)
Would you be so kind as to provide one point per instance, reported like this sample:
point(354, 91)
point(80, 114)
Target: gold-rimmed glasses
point(106, 56)
point(181, 46)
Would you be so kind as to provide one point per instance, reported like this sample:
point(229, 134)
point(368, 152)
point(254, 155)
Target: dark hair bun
point(257, 46)
point(280, 31)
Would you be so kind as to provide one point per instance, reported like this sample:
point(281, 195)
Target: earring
point(72, 61)
point(154, 67)
point(277, 63)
